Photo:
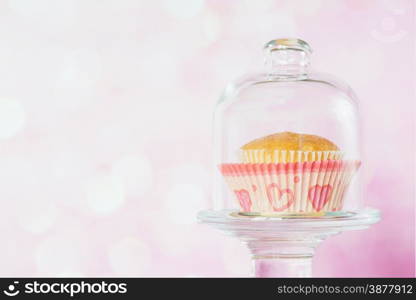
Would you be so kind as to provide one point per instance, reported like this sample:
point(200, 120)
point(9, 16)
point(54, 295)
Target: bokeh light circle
point(12, 117)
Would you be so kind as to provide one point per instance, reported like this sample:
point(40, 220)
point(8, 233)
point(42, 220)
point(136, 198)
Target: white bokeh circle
point(136, 173)
point(183, 201)
point(183, 9)
point(79, 70)
point(130, 256)
point(105, 193)
point(38, 216)
point(50, 12)
point(12, 117)
point(59, 255)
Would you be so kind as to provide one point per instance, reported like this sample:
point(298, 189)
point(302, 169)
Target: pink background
point(105, 130)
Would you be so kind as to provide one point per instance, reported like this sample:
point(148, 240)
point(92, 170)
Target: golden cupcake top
point(291, 141)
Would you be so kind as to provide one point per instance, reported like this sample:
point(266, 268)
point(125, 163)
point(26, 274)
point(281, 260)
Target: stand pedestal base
point(283, 267)
point(284, 246)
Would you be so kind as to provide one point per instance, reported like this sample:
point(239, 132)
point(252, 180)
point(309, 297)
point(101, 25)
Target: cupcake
point(289, 147)
point(290, 173)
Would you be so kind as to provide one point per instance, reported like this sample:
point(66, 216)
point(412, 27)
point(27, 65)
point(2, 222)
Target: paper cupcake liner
point(290, 188)
point(286, 156)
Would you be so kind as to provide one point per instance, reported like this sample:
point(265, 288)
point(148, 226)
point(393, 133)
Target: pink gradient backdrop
point(105, 130)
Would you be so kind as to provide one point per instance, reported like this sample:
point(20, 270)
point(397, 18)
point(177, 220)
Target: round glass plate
point(343, 220)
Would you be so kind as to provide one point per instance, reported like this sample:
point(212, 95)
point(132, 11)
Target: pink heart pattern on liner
point(306, 187)
point(273, 190)
point(319, 196)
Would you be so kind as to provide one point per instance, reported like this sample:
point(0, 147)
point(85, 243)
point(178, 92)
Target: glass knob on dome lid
point(288, 57)
point(287, 140)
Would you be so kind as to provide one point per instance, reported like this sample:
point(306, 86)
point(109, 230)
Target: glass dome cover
point(287, 140)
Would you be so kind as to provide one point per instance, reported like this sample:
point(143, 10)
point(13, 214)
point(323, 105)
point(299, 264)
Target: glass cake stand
point(284, 246)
